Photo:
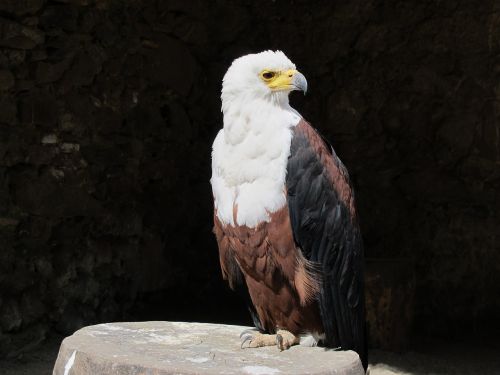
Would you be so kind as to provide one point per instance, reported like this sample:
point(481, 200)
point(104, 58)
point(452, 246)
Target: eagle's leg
point(282, 339)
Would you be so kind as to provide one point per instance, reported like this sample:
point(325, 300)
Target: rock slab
point(161, 348)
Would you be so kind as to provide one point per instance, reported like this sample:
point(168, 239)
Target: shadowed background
point(107, 114)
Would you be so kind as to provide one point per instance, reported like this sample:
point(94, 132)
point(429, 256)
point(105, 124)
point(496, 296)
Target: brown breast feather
point(282, 284)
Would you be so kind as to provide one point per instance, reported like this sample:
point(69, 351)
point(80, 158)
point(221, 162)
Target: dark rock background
point(107, 114)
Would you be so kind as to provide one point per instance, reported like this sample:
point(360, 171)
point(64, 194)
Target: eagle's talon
point(279, 342)
point(255, 339)
point(285, 339)
point(247, 332)
point(244, 338)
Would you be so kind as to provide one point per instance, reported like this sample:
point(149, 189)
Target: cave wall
point(107, 113)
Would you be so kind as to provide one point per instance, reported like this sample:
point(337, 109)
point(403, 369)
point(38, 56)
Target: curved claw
point(279, 342)
point(247, 332)
point(246, 338)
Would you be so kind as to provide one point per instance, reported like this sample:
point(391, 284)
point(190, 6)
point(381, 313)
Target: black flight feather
point(327, 233)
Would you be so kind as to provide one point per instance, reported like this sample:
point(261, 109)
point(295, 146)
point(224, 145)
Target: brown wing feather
point(335, 170)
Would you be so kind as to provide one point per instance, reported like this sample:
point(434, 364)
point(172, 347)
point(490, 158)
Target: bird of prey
point(284, 213)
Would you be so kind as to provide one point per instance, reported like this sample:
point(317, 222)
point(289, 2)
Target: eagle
point(284, 214)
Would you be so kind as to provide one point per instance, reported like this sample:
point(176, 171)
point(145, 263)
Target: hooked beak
point(299, 82)
point(288, 80)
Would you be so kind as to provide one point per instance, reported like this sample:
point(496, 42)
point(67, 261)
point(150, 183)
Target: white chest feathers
point(249, 161)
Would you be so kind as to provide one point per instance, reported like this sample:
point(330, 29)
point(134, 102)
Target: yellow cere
point(278, 80)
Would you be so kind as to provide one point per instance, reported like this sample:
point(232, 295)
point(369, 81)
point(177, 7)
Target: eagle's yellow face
point(285, 80)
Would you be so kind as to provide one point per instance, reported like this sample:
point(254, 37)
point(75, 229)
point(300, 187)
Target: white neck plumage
point(248, 113)
point(250, 155)
point(232, 101)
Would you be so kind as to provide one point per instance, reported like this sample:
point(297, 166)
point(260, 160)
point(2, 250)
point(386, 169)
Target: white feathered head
point(266, 75)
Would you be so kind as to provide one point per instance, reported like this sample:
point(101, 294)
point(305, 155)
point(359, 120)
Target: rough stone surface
point(21, 7)
point(390, 303)
point(6, 80)
point(163, 348)
point(15, 35)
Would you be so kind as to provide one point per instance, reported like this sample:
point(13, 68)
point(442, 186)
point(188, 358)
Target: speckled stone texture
point(161, 348)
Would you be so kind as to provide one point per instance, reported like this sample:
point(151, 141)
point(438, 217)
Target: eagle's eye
point(267, 75)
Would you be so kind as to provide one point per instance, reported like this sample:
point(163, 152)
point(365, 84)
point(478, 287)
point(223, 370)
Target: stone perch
point(161, 348)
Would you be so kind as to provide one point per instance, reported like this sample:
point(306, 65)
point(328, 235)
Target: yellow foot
point(282, 339)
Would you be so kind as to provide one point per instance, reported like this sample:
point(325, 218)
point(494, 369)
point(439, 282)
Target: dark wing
point(325, 227)
point(231, 271)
